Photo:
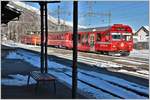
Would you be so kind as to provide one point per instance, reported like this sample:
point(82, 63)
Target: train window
point(86, 36)
point(99, 37)
point(84, 39)
point(79, 37)
point(116, 36)
point(127, 37)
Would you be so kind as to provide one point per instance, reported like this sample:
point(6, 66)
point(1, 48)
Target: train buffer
point(41, 78)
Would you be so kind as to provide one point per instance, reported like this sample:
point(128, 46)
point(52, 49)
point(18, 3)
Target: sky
point(132, 13)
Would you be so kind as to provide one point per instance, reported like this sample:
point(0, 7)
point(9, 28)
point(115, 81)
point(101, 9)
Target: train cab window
point(127, 36)
point(116, 36)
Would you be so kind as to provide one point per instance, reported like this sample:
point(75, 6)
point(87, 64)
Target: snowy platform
point(113, 85)
point(14, 80)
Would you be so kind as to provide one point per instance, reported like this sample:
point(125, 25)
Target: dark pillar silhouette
point(74, 66)
point(46, 38)
point(42, 36)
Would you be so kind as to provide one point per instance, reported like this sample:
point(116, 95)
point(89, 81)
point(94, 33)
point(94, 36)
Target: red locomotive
point(108, 40)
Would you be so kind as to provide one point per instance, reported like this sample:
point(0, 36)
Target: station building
point(141, 38)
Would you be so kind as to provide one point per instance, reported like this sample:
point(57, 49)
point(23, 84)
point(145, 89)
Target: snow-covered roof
point(52, 19)
point(147, 27)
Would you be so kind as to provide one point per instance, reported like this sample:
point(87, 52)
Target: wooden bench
point(41, 77)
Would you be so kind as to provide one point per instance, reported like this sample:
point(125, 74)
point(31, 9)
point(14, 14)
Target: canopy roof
point(8, 12)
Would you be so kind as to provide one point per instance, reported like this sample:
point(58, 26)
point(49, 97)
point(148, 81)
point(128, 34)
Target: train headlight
point(122, 44)
point(114, 46)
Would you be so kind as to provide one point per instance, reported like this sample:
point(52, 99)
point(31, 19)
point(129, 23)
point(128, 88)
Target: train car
point(115, 39)
point(60, 39)
point(118, 39)
point(31, 39)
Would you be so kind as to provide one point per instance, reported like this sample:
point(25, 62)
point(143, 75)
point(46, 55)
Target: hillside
point(30, 21)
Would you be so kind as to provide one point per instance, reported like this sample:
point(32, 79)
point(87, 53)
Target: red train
point(117, 38)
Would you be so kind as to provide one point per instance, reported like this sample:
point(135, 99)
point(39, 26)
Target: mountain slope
point(29, 21)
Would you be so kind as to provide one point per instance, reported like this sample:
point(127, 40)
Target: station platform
point(20, 67)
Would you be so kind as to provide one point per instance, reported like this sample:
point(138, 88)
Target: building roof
point(145, 29)
point(8, 12)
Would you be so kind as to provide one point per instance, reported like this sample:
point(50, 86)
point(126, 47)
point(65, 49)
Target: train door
point(92, 42)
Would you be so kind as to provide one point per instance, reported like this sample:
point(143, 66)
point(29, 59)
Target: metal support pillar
point(42, 37)
point(74, 66)
point(44, 33)
point(46, 38)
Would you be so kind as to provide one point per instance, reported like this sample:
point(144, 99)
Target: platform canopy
point(8, 12)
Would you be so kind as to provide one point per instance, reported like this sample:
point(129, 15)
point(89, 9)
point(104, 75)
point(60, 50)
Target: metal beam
point(42, 1)
point(74, 66)
point(42, 37)
point(46, 38)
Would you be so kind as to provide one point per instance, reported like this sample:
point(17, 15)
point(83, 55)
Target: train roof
point(88, 29)
point(102, 28)
point(95, 29)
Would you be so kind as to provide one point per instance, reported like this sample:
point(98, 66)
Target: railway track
point(87, 54)
point(99, 56)
point(52, 50)
point(118, 86)
point(106, 64)
point(99, 62)
point(99, 82)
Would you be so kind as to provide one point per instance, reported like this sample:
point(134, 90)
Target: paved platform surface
point(16, 66)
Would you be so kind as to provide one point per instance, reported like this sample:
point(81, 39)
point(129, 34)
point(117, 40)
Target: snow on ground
point(92, 61)
point(116, 80)
point(94, 78)
point(17, 80)
point(131, 62)
point(11, 43)
point(84, 87)
point(14, 55)
point(143, 72)
point(98, 62)
point(137, 73)
point(140, 53)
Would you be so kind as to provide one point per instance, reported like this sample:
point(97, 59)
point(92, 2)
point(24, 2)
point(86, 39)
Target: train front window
point(116, 36)
point(127, 36)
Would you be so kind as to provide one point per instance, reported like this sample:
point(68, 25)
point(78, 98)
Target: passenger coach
point(115, 39)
